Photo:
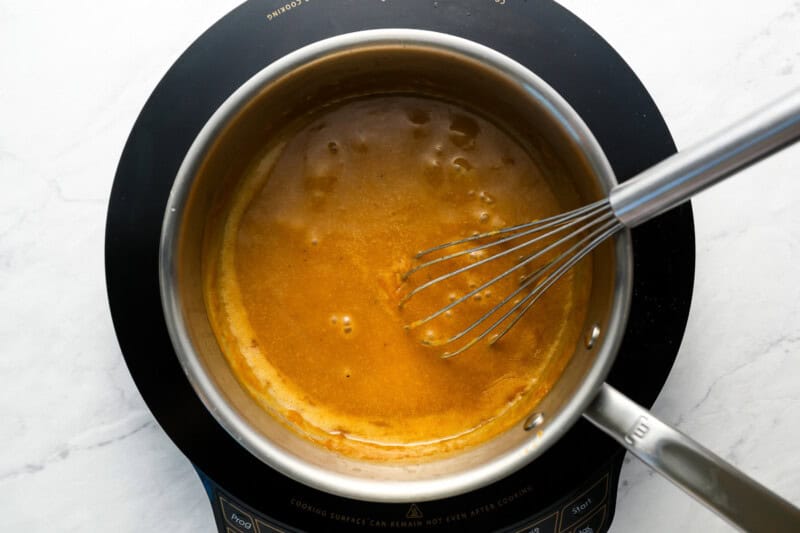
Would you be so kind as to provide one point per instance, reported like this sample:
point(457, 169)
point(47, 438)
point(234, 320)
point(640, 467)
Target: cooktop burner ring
point(541, 35)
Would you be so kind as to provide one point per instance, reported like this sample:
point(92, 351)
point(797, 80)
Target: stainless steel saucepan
point(432, 63)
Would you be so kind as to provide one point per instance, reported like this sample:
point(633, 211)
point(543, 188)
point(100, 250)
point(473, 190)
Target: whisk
point(573, 235)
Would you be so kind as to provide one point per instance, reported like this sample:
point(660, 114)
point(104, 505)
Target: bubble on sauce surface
point(433, 172)
point(319, 186)
point(420, 132)
point(462, 163)
point(430, 335)
point(486, 198)
point(343, 322)
point(333, 147)
point(360, 143)
point(418, 116)
point(477, 255)
point(498, 222)
point(463, 131)
point(484, 295)
point(313, 237)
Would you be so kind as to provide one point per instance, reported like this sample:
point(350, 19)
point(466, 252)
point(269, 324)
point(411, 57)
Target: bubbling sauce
point(304, 277)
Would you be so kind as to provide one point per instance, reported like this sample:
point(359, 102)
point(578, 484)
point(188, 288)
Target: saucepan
point(432, 63)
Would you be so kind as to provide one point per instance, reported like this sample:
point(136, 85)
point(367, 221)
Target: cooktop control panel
point(588, 509)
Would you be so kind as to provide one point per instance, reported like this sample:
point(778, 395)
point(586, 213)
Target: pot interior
point(389, 61)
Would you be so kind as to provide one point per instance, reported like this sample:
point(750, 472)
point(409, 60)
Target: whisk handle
point(681, 176)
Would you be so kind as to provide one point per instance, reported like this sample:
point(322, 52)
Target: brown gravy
point(303, 283)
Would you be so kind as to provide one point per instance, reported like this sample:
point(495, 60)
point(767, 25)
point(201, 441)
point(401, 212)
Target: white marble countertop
point(79, 450)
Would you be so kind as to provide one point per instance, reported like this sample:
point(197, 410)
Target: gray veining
point(80, 451)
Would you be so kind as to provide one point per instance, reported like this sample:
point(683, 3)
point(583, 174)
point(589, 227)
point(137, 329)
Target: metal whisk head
point(571, 236)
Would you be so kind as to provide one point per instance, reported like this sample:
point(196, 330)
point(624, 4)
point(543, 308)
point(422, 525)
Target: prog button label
point(240, 520)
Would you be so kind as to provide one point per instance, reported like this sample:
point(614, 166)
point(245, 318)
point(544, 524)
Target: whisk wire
point(593, 239)
point(506, 273)
point(530, 229)
point(524, 285)
point(573, 220)
point(571, 235)
point(597, 236)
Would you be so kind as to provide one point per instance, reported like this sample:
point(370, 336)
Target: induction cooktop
point(572, 487)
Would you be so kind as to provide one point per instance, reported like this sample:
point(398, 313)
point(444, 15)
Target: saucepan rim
point(283, 460)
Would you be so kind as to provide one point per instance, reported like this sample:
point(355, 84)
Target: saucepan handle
point(715, 483)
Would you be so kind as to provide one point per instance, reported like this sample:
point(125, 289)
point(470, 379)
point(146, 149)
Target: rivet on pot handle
point(715, 483)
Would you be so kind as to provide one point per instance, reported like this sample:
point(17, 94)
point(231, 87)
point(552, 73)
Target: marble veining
point(81, 452)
